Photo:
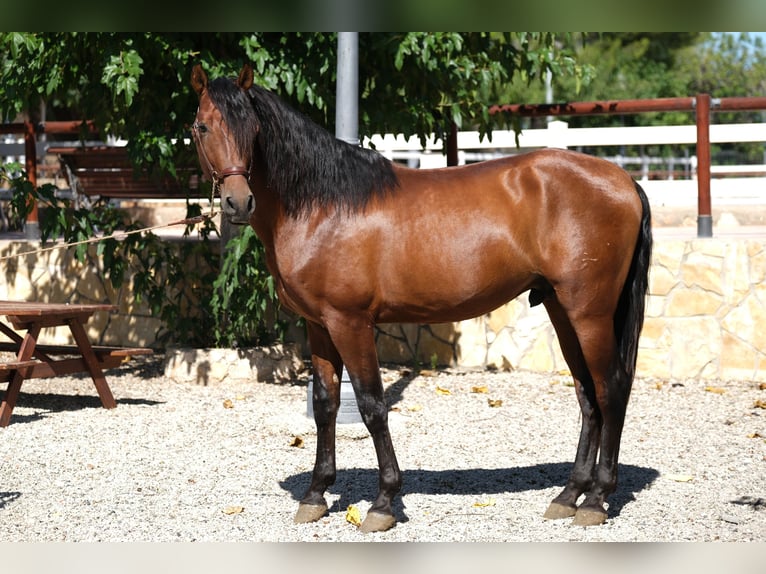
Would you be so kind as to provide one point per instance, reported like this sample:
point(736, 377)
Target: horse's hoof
point(309, 513)
point(557, 511)
point(377, 522)
point(589, 517)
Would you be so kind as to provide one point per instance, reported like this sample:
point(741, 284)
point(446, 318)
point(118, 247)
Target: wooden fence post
point(704, 213)
point(32, 224)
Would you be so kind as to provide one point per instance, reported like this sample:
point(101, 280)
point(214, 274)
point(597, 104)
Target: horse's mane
point(306, 166)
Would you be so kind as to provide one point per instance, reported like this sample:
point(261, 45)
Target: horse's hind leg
point(589, 345)
point(612, 390)
point(327, 367)
point(581, 477)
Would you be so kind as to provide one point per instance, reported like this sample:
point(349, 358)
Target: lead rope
point(118, 235)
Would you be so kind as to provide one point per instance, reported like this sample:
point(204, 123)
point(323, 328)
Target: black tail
point(629, 317)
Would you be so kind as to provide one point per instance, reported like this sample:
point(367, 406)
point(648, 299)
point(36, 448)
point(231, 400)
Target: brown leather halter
point(217, 176)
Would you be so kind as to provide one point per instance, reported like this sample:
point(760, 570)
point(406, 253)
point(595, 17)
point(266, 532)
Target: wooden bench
point(34, 361)
point(106, 171)
point(108, 358)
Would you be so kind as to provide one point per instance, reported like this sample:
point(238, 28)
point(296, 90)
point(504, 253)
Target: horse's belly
point(448, 299)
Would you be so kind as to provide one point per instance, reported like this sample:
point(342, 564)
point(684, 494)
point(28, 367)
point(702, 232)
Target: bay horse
point(353, 239)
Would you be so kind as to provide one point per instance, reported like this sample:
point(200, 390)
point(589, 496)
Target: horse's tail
point(629, 317)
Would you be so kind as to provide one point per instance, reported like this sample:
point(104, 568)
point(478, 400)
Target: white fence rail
point(747, 186)
point(677, 186)
point(558, 134)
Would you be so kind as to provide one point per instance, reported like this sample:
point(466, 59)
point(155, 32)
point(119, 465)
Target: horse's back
point(542, 193)
point(557, 172)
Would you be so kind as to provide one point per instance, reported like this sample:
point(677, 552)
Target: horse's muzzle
point(238, 207)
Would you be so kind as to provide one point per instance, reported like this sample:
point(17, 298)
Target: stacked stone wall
point(705, 319)
point(705, 315)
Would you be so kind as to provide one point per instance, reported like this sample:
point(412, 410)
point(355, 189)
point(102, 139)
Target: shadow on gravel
point(8, 497)
point(356, 484)
point(149, 367)
point(393, 392)
point(48, 403)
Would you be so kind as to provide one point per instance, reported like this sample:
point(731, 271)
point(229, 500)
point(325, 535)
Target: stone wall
point(208, 367)
point(706, 311)
point(705, 315)
point(57, 276)
point(704, 319)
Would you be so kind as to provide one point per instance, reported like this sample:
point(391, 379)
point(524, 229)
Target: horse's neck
point(268, 213)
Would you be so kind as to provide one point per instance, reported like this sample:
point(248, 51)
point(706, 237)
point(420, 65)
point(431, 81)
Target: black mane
point(305, 165)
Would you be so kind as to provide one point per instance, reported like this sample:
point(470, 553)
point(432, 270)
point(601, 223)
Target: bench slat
point(15, 365)
point(99, 350)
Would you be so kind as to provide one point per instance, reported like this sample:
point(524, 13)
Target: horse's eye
point(201, 128)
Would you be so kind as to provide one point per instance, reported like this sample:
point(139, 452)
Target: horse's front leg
point(355, 339)
point(327, 367)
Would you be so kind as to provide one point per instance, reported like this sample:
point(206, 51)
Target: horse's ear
point(245, 79)
point(198, 79)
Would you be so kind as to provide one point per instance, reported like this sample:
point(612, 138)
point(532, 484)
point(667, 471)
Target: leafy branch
point(202, 299)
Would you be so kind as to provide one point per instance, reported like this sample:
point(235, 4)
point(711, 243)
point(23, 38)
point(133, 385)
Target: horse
point(353, 239)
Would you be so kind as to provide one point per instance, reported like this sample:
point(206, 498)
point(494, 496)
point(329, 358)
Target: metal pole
point(347, 88)
point(346, 129)
point(704, 214)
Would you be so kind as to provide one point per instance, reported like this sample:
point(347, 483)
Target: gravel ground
point(225, 463)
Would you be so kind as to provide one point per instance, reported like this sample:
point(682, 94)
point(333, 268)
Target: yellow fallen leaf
point(482, 390)
point(240, 397)
point(415, 408)
point(228, 404)
point(353, 515)
point(442, 391)
point(756, 434)
point(488, 502)
point(297, 442)
point(716, 390)
point(759, 404)
point(495, 402)
point(681, 477)
point(234, 510)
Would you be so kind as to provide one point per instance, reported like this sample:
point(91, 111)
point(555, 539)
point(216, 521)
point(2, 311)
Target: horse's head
point(225, 148)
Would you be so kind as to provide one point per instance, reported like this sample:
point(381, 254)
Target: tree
point(728, 65)
point(136, 86)
point(624, 66)
point(725, 65)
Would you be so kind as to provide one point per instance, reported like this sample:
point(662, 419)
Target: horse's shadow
point(356, 484)
point(394, 392)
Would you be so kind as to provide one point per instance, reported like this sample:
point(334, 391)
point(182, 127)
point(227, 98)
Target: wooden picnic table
point(40, 361)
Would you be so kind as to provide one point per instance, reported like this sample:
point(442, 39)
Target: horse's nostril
point(250, 205)
point(229, 202)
